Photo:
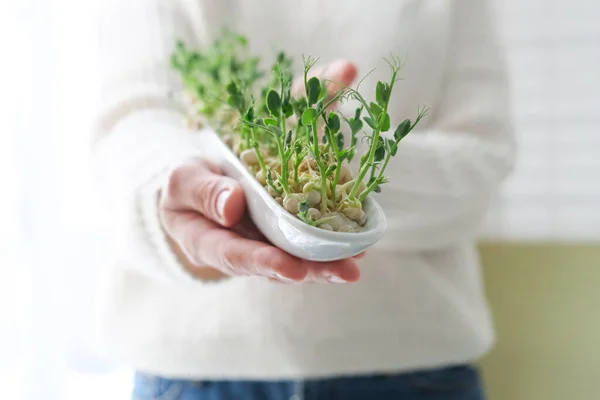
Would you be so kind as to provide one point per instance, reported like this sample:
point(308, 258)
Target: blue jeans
point(452, 383)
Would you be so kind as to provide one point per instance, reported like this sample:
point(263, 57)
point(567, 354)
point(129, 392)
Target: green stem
point(315, 135)
point(338, 167)
point(270, 183)
point(261, 160)
point(371, 187)
point(284, 170)
point(296, 165)
point(348, 184)
point(365, 167)
point(336, 177)
point(373, 170)
point(284, 159)
point(373, 184)
point(285, 175)
point(322, 168)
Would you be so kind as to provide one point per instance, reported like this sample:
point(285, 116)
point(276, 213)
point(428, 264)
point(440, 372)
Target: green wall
point(545, 300)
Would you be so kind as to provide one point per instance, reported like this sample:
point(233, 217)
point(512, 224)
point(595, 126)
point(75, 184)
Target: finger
point(205, 243)
point(342, 71)
point(200, 186)
point(339, 75)
point(343, 271)
point(247, 229)
point(360, 255)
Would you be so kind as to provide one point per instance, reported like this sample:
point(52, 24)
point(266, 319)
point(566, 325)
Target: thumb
point(200, 186)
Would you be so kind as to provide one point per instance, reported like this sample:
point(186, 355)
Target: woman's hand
point(203, 213)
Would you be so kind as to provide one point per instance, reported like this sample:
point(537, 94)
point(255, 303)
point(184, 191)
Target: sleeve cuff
point(132, 164)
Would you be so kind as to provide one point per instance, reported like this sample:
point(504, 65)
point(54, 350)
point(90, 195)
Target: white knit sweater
point(420, 302)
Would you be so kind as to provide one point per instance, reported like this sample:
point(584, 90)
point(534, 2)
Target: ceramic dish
point(283, 229)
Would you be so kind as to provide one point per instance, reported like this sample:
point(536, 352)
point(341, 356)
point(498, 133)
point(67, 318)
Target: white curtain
point(53, 233)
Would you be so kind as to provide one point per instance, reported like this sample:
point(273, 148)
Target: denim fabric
point(453, 383)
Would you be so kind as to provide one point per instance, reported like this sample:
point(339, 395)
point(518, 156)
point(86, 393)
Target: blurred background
point(540, 244)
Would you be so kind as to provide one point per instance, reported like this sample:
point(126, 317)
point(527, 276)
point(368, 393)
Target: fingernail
point(336, 279)
point(221, 200)
point(337, 65)
point(283, 278)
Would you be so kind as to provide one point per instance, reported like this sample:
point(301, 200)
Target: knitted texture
point(420, 302)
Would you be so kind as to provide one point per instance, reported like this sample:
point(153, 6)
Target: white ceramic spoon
point(285, 230)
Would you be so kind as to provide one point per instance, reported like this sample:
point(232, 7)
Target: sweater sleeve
point(139, 135)
point(444, 175)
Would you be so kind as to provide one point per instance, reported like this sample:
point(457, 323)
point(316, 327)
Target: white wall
point(554, 57)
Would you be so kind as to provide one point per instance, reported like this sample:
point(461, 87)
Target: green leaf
point(357, 113)
point(333, 122)
point(236, 101)
point(299, 106)
point(288, 139)
point(297, 147)
point(280, 57)
point(380, 151)
point(364, 158)
point(340, 140)
point(215, 73)
point(370, 122)
point(313, 89)
point(323, 90)
point(200, 91)
point(389, 143)
point(402, 130)
point(324, 138)
point(288, 109)
point(249, 116)
point(309, 116)
point(342, 155)
point(303, 206)
point(384, 122)
point(242, 40)
point(377, 189)
point(270, 121)
point(319, 107)
point(382, 93)
point(175, 62)
point(276, 130)
point(234, 66)
point(274, 103)
point(375, 109)
point(269, 175)
point(356, 125)
point(330, 170)
point(351, 154)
